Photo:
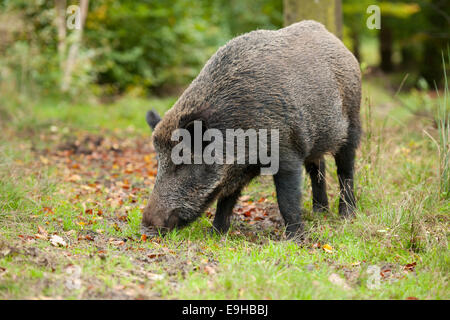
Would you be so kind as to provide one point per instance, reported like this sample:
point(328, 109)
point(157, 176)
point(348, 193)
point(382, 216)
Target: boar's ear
point(190, 126)
point(152, 118)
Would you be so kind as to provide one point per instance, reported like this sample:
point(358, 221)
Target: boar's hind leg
point(345, 159)
point(316, 170)
point(224, 211)
point(287, 185)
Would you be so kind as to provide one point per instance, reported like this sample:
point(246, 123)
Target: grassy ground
point(84, 173)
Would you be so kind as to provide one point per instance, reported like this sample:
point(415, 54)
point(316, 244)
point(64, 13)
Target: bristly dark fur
point(300, 80)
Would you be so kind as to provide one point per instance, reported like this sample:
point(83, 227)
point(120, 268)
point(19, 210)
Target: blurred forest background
point(156, 47)
point(77, 165)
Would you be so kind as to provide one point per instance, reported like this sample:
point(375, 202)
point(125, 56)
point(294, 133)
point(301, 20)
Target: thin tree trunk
point(356, 44)
point(60, 7)
point(74, 48)
point(386, 44)
point(328, 12)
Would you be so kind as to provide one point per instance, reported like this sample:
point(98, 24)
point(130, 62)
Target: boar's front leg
point(224, 212)
point(287, 184)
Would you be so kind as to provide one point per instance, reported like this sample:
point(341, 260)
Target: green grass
point(402, 218)
point(443, 124)
point(124, 115)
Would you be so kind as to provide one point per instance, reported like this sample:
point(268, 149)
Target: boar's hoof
point(318, 208)
point(213, 231)
point(295, 236)
point(295, 233)
point(347, 211)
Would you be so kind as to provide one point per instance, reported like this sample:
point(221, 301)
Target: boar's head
point(181, 192)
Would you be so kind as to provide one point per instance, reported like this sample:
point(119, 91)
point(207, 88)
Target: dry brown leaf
point(327, 248)
point(42, 231)
point(57, 241)
point(209, 270)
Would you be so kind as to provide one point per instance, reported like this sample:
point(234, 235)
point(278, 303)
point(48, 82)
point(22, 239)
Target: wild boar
point(300, 81)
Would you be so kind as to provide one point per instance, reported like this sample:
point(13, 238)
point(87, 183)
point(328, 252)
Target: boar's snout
point(158, 218)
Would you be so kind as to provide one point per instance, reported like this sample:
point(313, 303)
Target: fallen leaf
point(57, 241)
point(148, 158)
point(410, 267)
point(71, 233)
point(86, 237)
point(116, 242)
point(248, 213)
point(47, 210)
point(209, 270)
point(154, 276)
point(74, 178)
point(44, 160)
point(42, 231)
point(385, 273)
point(41, 236)
point(155, 255)
point(5, 252)
point(26, 238)
point(327, 248)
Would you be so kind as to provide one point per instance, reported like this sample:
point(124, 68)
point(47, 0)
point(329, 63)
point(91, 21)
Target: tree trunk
point(356, 44)
point(436, 43)
point(328, 12)
point(386, 44)
point(409, 58)
point(60, 8)
point(73, 51)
